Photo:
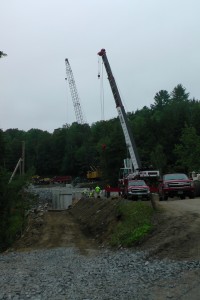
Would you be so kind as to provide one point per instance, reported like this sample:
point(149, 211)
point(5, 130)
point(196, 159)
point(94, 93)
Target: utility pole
point(20, 164)
point(23, 158)
point(15, 170)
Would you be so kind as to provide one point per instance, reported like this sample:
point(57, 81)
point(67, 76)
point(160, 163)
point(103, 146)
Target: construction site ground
point(88, 224)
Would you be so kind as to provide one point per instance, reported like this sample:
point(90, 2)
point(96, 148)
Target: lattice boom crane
point(74, 93)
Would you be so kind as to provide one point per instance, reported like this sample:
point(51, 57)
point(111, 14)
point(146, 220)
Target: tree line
point(167, 135)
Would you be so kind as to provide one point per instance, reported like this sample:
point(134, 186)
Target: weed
point(135, 223)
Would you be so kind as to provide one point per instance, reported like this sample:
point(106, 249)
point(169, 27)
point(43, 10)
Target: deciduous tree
point(188, 150)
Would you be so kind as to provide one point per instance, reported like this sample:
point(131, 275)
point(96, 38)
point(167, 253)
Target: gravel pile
point(44, 194)
point(64, 273)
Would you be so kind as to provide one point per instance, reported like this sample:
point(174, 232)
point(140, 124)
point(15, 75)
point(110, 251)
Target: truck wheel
point(191, 196)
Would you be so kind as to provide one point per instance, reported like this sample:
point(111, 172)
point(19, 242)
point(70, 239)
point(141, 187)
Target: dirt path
point(58, 229)
point(176, 233)
point(179, 207)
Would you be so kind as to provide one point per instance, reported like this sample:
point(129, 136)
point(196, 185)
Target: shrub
point(135, 223)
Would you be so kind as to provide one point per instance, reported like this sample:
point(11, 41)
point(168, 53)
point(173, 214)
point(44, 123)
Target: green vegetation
point(2, 54)
point(135, 223)
point(14, 203)
point(167, 135)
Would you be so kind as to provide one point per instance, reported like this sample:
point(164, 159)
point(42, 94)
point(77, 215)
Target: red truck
point(136, 190)
point(176, 184)
point(61, 179)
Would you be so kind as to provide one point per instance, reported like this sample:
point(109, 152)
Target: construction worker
point(108, 191)
point(85, 193)
point(97, 191)
point(91, 193)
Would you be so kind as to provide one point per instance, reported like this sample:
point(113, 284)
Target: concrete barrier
point(61, 198)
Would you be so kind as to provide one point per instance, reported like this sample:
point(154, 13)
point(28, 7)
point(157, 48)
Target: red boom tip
point(102, 52)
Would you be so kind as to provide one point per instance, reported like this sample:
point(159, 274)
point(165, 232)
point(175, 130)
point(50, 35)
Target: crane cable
point(100, 76)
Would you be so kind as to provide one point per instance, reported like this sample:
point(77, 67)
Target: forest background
point(167, 136)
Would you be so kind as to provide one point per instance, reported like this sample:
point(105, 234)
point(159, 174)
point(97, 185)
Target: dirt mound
point(97, 217)
point(175, 237)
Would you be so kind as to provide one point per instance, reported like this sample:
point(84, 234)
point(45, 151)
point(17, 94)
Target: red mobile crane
point(132, 167)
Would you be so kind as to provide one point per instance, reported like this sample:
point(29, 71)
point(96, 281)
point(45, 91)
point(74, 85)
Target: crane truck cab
point(150, 177)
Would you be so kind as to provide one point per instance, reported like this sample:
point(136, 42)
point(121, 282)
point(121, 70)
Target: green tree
point(158, 158)
point(78, 150)
point(12, 208)
point(2, 149)
point(13, 147)
point(2, 54)
point(146, 133)
point(161, 99)
point(188, 151)
point(179, 94)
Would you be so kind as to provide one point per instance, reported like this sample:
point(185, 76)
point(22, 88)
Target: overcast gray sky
point(150, 44)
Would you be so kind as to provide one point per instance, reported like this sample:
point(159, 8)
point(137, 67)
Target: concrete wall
point(61, 198)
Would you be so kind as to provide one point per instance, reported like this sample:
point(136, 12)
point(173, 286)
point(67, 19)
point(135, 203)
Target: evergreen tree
point(161, 99)
point(179, 94)
point(2, 54)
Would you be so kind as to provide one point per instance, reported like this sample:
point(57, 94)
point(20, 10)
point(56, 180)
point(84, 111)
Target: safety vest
point(97, 189)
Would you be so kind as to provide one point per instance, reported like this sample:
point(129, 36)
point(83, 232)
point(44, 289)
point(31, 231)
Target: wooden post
point(23, 158)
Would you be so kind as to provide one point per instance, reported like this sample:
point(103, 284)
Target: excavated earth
point(88, 224)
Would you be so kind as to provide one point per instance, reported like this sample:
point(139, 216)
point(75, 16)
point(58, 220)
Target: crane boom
point(122, 114)
point(74, 93)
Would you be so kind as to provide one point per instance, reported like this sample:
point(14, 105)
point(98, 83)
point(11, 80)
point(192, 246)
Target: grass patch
point(135, 223)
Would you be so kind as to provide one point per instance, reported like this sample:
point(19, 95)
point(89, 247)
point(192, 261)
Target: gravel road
point(64, 273)
point(75, 270)
point(178, 206)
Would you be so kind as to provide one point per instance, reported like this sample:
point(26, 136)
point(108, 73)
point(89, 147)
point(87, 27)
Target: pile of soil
point(174, 237)
point(175, 234)
point(97, 217)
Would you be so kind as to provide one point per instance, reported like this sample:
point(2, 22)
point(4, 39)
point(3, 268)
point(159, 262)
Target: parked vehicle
point(195, 176)
point(61, 179)
point(137, 189)
point(176, 184)
point(36, 179)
